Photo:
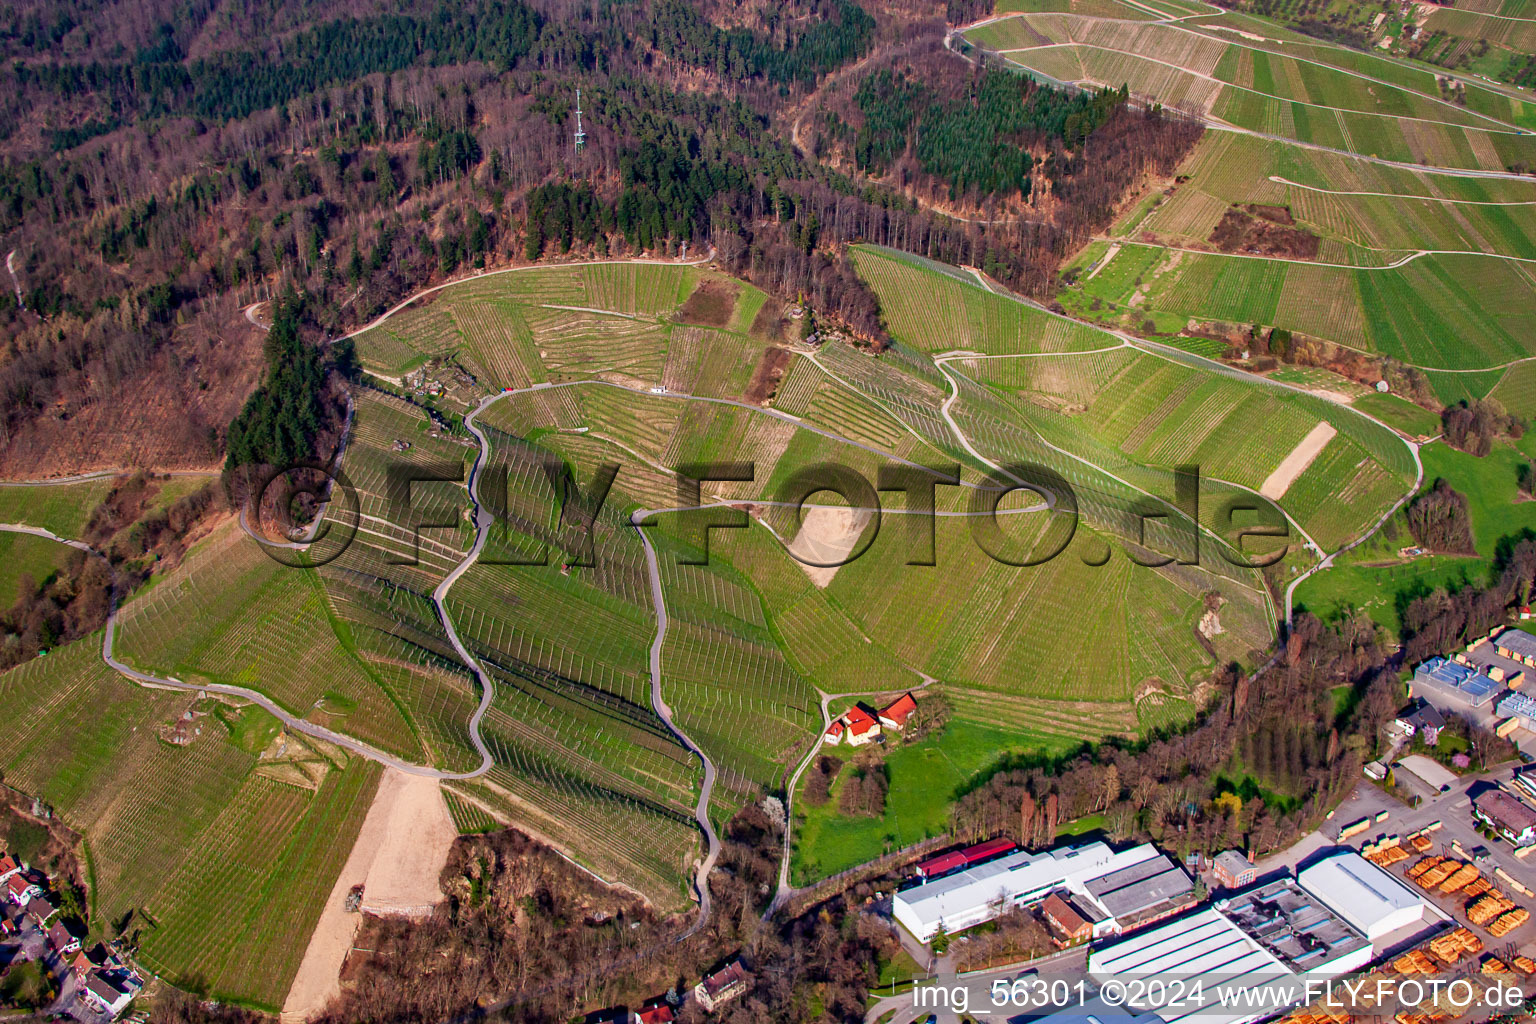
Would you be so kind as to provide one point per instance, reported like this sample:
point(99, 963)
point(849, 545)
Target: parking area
point(1456, 837)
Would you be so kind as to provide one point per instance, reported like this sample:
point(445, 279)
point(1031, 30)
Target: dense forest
point(156, 178)
point(979, 142)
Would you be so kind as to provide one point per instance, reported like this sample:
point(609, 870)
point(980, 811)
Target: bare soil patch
point(827, 534)
point(770, 370)
point(398, 858)
point(770, 324)
point(711, 303)
point(1265, 231)
point(1296, 463)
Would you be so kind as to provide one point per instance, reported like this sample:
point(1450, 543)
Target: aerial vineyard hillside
point(1258, 90)
point(752, 635)
point(1405, 183)
point(198, 852)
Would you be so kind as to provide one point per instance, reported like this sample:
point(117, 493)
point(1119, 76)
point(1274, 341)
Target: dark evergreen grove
point(278, 424)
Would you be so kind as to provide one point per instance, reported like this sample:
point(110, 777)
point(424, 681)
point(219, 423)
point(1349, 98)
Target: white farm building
point(1372, 901)
point(1111, 890)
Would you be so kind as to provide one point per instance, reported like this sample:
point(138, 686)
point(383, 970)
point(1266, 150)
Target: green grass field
point(924, 778)
point(62, 509)
point(1425, 312)
point(22, 555)
point(1375, 580)
point(1395, 411)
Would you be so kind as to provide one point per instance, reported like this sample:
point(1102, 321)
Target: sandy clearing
point(404, 875)
point(1109, 254)
point(399, 854)
point(827, 534)
point(1297, 462)
point(1336, 397)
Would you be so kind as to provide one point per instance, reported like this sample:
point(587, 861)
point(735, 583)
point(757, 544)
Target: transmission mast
point(581, 136)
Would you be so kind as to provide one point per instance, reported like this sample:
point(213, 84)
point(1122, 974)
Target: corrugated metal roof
point(1142, 885)
point(1359, 891)
point(1519, 641)
point(1518, 704)
point(1017, 874)
point(1205, 943)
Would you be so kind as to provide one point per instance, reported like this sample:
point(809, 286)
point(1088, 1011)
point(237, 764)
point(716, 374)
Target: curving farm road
point(701, 809)
point(255, 697)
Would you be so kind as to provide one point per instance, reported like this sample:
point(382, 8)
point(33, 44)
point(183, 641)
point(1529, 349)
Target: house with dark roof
point(1421, 719)
point(106, 994)
point(1507, 815)
point(40, 909)
point(62, 940)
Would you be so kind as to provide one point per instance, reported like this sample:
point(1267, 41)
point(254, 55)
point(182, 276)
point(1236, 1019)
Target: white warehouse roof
point(1372, 901)
point(1205, 946)
point(969, 897)
point(1266, 934)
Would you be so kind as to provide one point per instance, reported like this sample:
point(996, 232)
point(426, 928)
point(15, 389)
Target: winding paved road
point(255, 697)
point(664, 712)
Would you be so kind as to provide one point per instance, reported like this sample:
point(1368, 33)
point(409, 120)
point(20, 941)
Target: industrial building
point(1521, 707)
point(950, 861)
point(1373, 902)
point(1444, 678)
point(1233, 870)
point(1264, 935)
point(1111, 891)
point(1517, 645)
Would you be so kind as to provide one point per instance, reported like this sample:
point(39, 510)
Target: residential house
point(1507, 815)
point(62, 940)
point(1233, 870)
point(1421, 719)
point(18, 890)
point(1068, 924)
point(856, 725)
point(40, 909)
point(656, 1013)
point(862, 726)
point(8, 867)
point(82, 964)
point(895, 714)
point(721, 987)
point(107, 994)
